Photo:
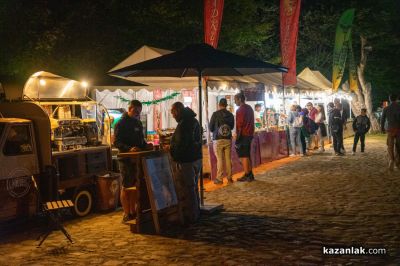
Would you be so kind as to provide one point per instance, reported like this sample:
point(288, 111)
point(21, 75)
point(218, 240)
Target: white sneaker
point(353, 153)
point(292, 155)
point(321, 150)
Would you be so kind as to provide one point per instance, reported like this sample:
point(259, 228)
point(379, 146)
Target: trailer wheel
point(83, 202)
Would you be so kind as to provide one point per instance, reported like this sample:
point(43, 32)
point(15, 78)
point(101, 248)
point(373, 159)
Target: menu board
point(158, 171)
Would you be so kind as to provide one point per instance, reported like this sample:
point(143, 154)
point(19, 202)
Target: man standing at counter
point(221, 125)
point(185, 150)
point(244, 135)
point(129, 137)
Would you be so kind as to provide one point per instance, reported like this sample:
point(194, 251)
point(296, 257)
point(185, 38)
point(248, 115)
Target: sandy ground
point(293, 209)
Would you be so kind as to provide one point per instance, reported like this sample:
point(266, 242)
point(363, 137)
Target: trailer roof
point(13, 120)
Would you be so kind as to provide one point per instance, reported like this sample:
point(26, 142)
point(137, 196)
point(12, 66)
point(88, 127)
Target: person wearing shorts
point(129, 137)
point(244, 135)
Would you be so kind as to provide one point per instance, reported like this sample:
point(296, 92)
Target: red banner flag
point(213, 10)
point(289, 24)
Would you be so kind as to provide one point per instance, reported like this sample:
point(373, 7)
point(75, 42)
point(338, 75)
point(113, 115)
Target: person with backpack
point(295, 123)
point(221, 125)
point(336, 126)
point(361, 126)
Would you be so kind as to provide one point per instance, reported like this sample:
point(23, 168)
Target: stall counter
point(265, 147)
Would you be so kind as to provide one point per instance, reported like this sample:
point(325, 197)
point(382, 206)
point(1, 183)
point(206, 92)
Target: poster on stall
point(159, 173)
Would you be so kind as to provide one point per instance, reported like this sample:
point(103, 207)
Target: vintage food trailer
point(56, 135)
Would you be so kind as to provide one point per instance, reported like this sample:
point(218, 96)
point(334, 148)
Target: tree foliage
point(86, 38)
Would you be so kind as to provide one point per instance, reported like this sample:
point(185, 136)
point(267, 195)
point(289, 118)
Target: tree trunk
point(363, 93)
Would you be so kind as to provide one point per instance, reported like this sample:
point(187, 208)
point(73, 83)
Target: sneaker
point(127, 218)
point(321, 150)
point(250, 177)
point(339, 154)
point(218, 182)
point(292, 155)
point(242, 179)
point(353, 153)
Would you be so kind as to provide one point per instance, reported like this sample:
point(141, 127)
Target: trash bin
point(108, 189)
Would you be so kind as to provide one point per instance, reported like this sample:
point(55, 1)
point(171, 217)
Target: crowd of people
point(307, 131)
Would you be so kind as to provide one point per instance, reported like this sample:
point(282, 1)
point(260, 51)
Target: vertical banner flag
point(342, 47)
point(213, 10)
point(353, 81)
point(289, 25)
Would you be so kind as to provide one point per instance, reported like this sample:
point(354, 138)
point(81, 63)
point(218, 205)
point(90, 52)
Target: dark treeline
point(85, 38)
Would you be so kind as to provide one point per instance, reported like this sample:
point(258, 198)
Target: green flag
point(353, 82)
point(342, 46)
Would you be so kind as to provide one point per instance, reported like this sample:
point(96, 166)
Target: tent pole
point(199, 71)
point(283, 95)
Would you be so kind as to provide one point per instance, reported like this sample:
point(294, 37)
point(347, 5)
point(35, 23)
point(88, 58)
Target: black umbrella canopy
point(196, 58)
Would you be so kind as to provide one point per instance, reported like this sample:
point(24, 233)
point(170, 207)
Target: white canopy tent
point(109, 95)
point(315, 78)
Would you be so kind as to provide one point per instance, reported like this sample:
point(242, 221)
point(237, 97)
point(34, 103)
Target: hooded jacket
point(186, 141)
point(219, 118)
point(129, 133)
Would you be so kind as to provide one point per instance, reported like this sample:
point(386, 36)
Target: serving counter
point(265, 147)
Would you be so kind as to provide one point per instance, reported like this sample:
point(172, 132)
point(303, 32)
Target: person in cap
point(221, 125)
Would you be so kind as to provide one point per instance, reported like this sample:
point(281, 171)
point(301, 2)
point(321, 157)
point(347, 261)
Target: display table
point(265, 147)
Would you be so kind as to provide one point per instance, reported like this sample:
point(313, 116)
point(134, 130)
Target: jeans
point(337, 140)
point(188, 177)
point(222, 150)
point(303, 143)
point(294, 133)
point(358, 136)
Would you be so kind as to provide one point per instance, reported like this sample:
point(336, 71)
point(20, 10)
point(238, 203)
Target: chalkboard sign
point(160, 181)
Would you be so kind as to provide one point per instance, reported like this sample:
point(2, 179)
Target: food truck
point(56, 135)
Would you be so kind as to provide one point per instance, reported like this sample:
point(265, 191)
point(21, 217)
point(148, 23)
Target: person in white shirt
point(257, 115)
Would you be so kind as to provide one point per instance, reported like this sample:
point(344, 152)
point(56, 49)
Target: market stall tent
point(146, 53)
point(315, 78)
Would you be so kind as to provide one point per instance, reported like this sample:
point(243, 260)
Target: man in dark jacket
point(391, 115)
point(129, 137)
point(361, 126)
point(185, 150)
point(336, 127)
point(221, 125)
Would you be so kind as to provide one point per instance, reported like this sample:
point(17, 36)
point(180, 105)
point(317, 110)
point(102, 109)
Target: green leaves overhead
point(86, 38)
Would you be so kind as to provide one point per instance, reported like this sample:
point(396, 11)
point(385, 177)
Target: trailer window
point(18, 141)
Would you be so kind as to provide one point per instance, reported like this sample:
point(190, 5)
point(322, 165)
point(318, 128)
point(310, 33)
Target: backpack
point(224, 130)
point(298, 121)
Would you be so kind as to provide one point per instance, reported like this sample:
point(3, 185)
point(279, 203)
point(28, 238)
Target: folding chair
point(53, 209)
